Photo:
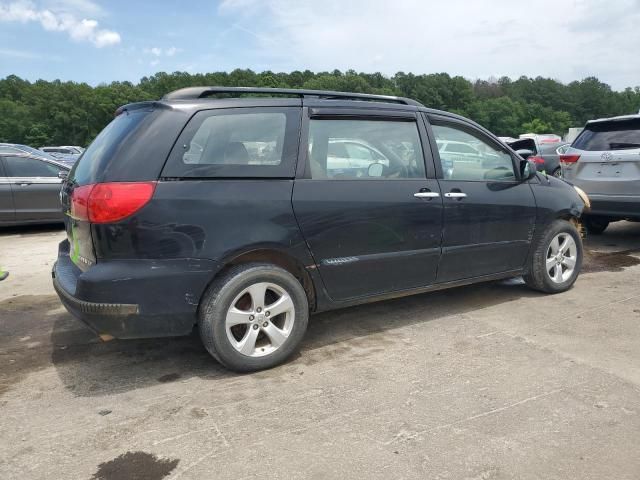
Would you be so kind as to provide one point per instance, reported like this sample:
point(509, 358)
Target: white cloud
point(10, 52)
point(566, 39)
point(28, 55)
point(61, 20)
point(157, 53)
point(160, 52)
point(76, 7)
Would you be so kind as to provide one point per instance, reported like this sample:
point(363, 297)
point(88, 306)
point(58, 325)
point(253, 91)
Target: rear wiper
point(623, 146)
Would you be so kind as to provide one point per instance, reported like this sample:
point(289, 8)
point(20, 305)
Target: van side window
point(244, 139)
point(364, 150)
point(465, 156)
point(238, 142)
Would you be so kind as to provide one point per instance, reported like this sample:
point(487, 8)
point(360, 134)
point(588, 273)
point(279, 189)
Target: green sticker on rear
point(75, 246)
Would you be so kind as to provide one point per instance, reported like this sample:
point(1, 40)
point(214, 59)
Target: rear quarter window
point(237, 142)
point(105, 147)
point(619, 135)
point(133, 147)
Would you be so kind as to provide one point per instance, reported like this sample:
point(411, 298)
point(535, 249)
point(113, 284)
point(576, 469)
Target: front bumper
point(133, 298)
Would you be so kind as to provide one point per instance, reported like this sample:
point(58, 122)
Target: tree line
point(69, 113)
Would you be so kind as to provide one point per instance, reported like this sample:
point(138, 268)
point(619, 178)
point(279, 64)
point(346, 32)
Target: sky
point(99, 41)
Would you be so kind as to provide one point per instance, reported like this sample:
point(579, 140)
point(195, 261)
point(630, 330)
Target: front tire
point(556, 259)
point(253, 317)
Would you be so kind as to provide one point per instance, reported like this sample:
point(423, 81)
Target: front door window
point(465, 156)
point(364, 150)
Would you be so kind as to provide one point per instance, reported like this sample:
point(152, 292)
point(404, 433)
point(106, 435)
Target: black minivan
point(243, 210)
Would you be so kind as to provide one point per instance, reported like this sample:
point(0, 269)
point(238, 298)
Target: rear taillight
point(110, 202)
point(537, 160)
point(80, 201)
point(569, 158)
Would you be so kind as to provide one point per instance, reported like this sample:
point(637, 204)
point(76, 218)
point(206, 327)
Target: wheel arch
point(272, 256)
point(573, 218)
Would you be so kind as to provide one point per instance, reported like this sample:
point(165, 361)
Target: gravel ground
point(490, 381)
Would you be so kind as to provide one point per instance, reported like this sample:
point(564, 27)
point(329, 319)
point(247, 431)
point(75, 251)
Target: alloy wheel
point(562, 255)
point(260, 319)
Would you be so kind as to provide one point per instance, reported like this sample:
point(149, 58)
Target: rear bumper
point(620, 206)
point(106, 319)
point(133, 298)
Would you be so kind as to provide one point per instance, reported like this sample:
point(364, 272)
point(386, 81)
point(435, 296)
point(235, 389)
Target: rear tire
point(253, 317)
point(557, 173)
point(596, 225)
point(556, 258)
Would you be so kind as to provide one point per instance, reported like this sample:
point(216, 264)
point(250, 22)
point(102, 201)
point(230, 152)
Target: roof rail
point(192, 93)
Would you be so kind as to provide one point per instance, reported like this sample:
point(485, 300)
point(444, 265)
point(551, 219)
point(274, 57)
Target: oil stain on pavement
point(170, 377)
point(135, 466)
point(25, 327)
point(609, 261)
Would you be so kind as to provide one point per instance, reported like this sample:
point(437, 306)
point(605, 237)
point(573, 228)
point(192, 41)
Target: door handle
point(426, 194)
point(23, 184)
point(455, 195)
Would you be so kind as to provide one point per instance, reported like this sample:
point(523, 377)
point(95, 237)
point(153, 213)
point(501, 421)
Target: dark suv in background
point(243, 210)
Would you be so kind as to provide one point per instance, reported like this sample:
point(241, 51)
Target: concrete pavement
point(491, 381)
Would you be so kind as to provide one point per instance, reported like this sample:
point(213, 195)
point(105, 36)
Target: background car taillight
point(569, 158)
point(110, 202)
point(537, 160)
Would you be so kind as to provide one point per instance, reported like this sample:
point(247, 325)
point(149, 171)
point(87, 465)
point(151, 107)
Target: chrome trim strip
point(336, 262)
point(32, 180)
point(612, 196)
point(455, 248)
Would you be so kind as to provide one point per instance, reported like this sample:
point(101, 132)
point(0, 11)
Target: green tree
point(60, 112)
point(38, 135)
point(536, 126)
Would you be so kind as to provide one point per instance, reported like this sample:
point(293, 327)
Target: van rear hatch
point(129, 152)
point(605, 158)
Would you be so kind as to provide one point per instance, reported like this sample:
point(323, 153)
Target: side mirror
point(375, 170)
point(63, 174)
point(524, 153)
point(528, 169)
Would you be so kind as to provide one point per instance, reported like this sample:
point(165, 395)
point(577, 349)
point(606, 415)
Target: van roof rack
point(192, 93)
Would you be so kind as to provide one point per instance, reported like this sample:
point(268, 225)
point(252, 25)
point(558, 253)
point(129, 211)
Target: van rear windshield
point(618, 135)
point(106, 146)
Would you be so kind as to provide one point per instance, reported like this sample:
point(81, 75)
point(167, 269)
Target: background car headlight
point(583, 195)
